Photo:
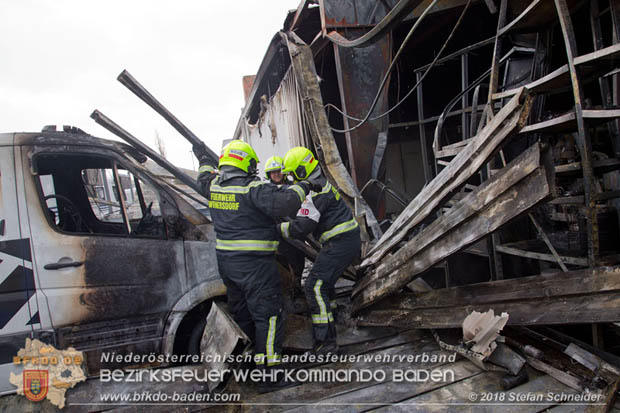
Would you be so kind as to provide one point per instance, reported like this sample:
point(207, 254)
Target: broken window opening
point(85, 194)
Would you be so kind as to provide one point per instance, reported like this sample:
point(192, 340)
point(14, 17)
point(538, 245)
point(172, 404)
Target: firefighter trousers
point(254, 293)
point(335, 256)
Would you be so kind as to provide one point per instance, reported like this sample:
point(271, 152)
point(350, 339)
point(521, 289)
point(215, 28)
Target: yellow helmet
point(300, 161)
point(240, 155)
point(275, 163)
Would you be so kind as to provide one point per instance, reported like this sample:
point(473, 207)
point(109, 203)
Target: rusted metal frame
point(422, 129)
point(583, 138)
point(121, 200)
point(465, 97)
point(318, 125)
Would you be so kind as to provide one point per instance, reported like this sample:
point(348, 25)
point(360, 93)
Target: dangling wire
point(387, 74)
point(367, 117)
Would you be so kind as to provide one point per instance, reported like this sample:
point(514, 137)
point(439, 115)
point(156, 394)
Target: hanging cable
point(387, 74)
point(367, 117)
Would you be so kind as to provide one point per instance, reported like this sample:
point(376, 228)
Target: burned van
point(97, 252)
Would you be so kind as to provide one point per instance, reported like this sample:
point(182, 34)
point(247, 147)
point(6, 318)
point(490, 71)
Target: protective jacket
point(243, 209)
point(324, 214)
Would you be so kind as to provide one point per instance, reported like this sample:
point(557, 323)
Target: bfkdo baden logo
point(35, 384)
point(47, 372)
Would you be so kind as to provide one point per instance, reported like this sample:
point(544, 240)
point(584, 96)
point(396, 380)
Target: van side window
point(91, 195)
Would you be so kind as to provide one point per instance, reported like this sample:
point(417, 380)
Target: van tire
point(193, 346)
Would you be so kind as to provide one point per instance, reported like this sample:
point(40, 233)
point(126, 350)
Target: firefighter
point(273, 170)
point(243, 210)
point(324, 214)
point(287, 253)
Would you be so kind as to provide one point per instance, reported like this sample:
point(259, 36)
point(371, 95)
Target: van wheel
point(193, 346)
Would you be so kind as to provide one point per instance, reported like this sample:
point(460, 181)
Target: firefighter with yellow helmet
point(243, 210)
point(324, 214)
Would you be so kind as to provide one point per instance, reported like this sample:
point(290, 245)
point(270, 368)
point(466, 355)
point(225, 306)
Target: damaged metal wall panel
point(280, 122)
point(584, 296)
point(523, 184)
point(319, 129)
point(360, 71)
point(507, 122)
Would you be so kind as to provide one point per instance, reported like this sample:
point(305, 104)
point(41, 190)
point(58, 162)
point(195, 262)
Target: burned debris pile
point(478, 143)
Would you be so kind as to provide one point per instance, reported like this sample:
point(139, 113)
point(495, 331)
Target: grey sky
point(60, 59)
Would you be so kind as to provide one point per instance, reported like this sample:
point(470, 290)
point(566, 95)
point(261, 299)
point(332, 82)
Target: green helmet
point(240, 155)
point(275, 163)
point(300, 161)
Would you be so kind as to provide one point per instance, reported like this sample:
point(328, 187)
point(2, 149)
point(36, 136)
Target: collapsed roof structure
point(478, 141)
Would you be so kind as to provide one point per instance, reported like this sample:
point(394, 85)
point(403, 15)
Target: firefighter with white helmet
point(273, 170)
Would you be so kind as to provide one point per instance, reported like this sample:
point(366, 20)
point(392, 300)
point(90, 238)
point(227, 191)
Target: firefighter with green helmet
point(244, 210)
point(325, 215)
point(273, 170)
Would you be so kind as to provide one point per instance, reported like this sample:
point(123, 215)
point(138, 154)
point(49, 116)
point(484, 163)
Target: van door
point(109, 265)
point(18, 302)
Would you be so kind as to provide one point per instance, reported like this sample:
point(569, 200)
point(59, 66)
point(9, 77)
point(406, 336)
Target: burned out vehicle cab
point(96, 252)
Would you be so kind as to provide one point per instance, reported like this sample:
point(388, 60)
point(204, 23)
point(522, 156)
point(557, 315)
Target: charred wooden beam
point(525, 182)
point(507, 122)
point(584, 296)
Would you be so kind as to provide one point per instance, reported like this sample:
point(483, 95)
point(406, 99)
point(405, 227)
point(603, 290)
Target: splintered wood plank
point(589, 308)
point(468, 161)
point(567, 121)
point(519, 252)
point(412, 341)
point(315, 391)
point(525, 164)
point(525, 288)
point(455, 396)
point(488, 394)
point(600, 166)
point(389, 392)
point(515, 200)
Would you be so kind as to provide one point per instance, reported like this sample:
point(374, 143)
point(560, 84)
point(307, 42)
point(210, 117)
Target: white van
point(96, 252)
